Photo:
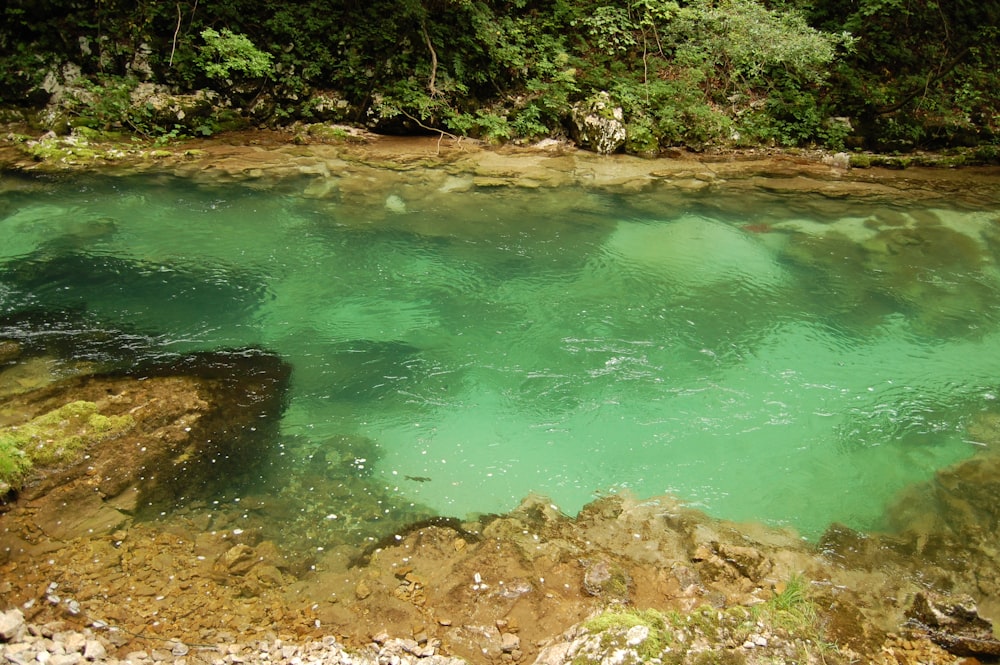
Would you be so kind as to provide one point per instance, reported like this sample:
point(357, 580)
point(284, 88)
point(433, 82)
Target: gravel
point(22, 643)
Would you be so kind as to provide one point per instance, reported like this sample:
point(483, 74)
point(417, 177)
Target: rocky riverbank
point(133, 548)
point(330, 158)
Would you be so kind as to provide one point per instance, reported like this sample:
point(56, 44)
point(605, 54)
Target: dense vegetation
point(878, 74)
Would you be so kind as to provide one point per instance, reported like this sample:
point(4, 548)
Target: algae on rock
point(54, 438)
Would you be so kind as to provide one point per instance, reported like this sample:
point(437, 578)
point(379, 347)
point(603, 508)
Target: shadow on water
point(231, 399)
point(126, 291)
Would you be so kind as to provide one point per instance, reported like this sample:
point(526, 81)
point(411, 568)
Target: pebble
point(12, 625)
point(94, 651)
point(24, 644)
point(509, 642)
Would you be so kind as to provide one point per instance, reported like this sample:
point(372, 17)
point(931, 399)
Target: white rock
point(636, 635)
point(66, 659)
point(395, 204)
point(17, 657)
point(74, 642)
point(12, 625)
point(94, 650)
point(509, 642)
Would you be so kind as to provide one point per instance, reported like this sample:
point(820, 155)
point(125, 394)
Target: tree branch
point(932, 78)
point(177, 30)
point(434, 60)
point(441, 132)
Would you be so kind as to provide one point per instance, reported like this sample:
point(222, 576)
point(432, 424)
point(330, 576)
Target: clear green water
point(561, 342)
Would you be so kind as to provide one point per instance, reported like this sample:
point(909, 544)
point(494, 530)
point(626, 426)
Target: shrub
point(227, 54)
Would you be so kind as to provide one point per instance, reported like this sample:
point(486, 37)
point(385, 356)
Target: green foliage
point(790, 609)
point(750, 41)
point(227, 54)
point(485, 124)
point(712, 72)
point(697, 72)
point(920, 73)
point(611, 29)
point(107, 104)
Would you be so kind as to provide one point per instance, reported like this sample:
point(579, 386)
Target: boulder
point(167, 109)
point(598, 124)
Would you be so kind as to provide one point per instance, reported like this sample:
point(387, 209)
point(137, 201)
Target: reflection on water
point(796, 369)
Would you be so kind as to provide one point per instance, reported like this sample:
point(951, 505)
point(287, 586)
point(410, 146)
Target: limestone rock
point(237, 560)
point(598, 124)
point(509, 642)
point(362, 590)
point(94, 651)
point(170, 109)
point(12, 625)
point(186, 424)
point(606, 580)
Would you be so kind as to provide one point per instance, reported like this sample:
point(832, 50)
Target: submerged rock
point(9, 350)
point(954, 623)
point(108, 447)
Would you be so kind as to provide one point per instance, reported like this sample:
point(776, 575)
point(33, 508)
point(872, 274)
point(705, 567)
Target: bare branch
point(434, 60)
point(441, 132)
point(177, 31)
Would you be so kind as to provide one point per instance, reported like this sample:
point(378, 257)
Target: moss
point(615, 623)
point(706, 620)
point(617, 584)
point(14, 463)
point(328, 132)
point(56, 437)
point(987, 154)
point(75, 149)
point(87, 133)
point(861, 160)
point(106, 425)
point(724, 657)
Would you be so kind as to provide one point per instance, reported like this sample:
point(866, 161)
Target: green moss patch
point(53, 438)
point(615, 624)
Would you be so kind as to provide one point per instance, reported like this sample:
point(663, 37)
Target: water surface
point(792, 361)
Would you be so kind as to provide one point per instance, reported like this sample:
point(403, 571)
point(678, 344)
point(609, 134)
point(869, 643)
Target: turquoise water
point(792, 361)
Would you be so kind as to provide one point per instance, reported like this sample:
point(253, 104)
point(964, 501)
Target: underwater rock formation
point(138, 441)
point(954, 623)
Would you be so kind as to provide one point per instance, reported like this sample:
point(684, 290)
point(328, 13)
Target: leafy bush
point(106, 104)
point(227, 54)
point(697, 72)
